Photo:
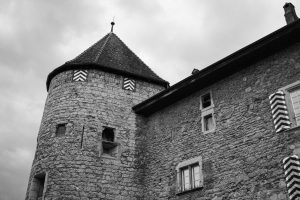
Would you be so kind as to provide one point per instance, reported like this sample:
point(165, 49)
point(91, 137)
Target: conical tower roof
point(112, 55)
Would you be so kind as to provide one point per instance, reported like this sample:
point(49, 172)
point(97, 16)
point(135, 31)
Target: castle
point(112, 129)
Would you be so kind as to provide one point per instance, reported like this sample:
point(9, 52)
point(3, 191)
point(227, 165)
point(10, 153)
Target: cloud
point(171, 36)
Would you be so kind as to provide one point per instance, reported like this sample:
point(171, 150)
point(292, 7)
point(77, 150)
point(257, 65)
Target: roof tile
point(111, 52)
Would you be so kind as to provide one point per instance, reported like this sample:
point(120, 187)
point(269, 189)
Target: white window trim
point(287, 90)
point(207, 111)
point(186, 163)
point(203, 115)
point(211, 99)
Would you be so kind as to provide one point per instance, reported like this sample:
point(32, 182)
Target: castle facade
point(113, 129)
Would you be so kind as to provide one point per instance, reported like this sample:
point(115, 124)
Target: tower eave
point(69, 66)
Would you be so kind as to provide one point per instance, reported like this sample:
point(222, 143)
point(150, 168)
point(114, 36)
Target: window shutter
point(129, 84)
point(279, 111)
point(80, 75)
point(291, 166)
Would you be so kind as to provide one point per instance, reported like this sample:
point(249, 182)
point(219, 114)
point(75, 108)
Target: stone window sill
point(107, 156)
point(291, 129)
point(188, 191)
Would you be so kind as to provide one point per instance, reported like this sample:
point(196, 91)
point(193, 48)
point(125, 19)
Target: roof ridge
point(87, 49)
point(102, 47)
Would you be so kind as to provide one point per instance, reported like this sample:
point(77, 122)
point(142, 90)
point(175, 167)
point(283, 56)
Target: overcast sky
point(171, 36)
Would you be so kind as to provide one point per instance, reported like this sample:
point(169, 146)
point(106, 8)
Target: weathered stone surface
point(242, 159)
point(77, 172)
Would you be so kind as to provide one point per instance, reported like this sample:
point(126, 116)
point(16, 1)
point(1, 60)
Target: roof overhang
point(233, 63)
point(67, 66)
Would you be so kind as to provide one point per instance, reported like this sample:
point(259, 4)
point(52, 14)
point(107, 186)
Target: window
point(207, 113)
point(37, 187)
point(208, 123)
point(189, 175)
point(206, 100)
point(60, 129)
point(108, 142)
point(292, 98)
point(108, 134)
point(295, 99)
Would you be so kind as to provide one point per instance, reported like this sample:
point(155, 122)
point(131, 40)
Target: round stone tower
point(86, 145)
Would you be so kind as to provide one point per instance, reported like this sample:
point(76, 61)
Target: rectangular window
point(208, 123)
point(206, 100)
point(295, 99)
point(189, 174)
point(292, 100)
point(195, 176)
point(185, 179)
point(37, 187)
point(41, 186)
point(60, 129)
point(108, 134)
point(109, 146)
point(207, 113)
point(190, 177)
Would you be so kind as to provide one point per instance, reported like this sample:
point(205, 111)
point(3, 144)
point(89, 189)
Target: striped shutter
point(128, 84)
point(80, 75)
point(279, 111)
point(291, 166)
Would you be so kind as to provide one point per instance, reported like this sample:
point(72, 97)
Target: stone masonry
point(75, 172)
point(242, 159)
point(99, 140)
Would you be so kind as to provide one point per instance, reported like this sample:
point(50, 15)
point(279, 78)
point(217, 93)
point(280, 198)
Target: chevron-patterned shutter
point(291, 166)
point(80, 75)
point(279, 111)
point(128, 84)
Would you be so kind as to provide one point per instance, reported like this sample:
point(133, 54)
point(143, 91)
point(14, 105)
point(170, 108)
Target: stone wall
point(242, 159)
point(74, 165)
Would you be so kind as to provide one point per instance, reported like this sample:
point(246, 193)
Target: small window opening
point(206, 100)
point(208, 122)
point(108, 142)
point(60, 129)
point(108, 134)
point(37, 187)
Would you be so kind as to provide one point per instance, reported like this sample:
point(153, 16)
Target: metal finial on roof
point(112, 25)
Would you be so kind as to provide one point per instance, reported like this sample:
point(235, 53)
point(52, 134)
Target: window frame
point(189, 164)
point(287, 90)
point(207, 111)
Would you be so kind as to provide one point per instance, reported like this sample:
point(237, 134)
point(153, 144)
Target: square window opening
point(108, 134)
point(206, 100)
point(60, 129)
